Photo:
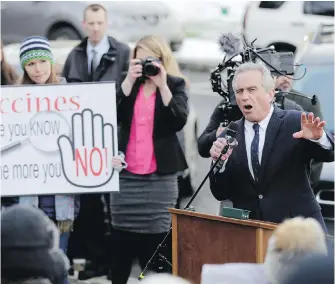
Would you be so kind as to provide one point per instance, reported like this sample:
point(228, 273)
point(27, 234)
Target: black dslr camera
point(149, 69)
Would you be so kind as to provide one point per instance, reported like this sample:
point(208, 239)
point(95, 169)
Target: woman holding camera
point(151, 107)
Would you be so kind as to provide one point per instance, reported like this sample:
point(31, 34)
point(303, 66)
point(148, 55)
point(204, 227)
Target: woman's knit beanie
point(35, 47)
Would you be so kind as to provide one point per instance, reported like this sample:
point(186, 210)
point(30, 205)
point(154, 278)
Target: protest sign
point(58, 139)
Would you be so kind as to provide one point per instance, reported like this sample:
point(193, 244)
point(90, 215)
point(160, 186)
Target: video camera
point(238, 52)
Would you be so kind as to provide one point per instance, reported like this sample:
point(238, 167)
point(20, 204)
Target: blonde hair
point(292, 241)
point(163, 52)
point(303, 234)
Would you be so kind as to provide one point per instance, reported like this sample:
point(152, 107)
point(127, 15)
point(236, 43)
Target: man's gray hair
point(268, 81)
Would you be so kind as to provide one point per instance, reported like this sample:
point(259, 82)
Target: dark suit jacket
point(167, 122)
point(307, 105)
point(283, 190)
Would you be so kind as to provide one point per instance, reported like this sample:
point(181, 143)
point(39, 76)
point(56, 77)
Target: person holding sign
point(152, 106)
point(38, 64)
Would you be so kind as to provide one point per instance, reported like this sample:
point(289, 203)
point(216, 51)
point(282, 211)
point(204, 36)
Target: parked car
point(324, 34)
point(213, 17)
point(318, 58)
point(61, 49)
point(287, 22)
point(128, 20)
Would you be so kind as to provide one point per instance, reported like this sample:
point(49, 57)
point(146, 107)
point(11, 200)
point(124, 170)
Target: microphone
point(229, 134)
point(230, 44)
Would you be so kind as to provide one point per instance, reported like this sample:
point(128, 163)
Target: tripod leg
point(161, 261)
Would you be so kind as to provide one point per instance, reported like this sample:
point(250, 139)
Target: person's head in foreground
point(293, 241)
point(30, 247)
point(290, 243)
point(233, 273)
point(313, 270)
point(162, 278)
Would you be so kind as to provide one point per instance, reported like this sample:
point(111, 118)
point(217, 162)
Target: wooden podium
point(199, 239)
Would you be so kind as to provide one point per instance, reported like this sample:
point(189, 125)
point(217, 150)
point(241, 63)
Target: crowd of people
point(111, 230)
point(297, 253)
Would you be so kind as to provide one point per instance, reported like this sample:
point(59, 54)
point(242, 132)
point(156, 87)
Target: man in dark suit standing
point(267, 173)
point(97, 58)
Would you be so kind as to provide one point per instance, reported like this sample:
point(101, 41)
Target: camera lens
point(150, 70)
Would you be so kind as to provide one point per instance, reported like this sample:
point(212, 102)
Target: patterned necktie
point(94, 62)
point(254, 153)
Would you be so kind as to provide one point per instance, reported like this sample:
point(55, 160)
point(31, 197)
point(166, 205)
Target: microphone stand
point(185, 208)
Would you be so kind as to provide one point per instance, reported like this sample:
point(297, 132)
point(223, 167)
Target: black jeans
point(88, 239)
point(127, 246)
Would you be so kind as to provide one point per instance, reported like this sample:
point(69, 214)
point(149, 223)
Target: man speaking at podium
point(268, 171)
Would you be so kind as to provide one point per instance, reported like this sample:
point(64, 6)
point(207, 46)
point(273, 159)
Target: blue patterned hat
point(35, 47)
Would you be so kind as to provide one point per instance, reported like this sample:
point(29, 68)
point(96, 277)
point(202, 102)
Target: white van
point(284, 23)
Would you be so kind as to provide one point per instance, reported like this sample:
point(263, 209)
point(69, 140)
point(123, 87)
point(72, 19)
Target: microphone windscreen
point(232, 129)
point(223, 133)
point(230, 44)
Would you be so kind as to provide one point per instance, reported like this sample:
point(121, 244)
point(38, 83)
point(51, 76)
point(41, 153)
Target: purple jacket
point(48, 205)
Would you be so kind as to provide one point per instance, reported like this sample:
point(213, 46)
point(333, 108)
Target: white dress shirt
point(101, 48)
